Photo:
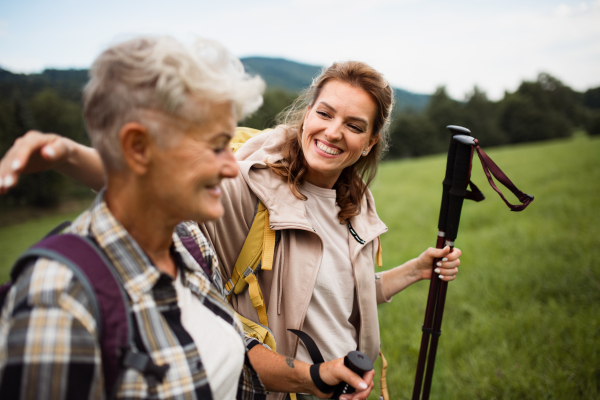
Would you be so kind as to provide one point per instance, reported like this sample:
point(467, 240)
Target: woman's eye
point(356, 128)
point(323, 114)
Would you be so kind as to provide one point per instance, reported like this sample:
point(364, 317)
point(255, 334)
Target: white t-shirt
point(329, 316)
point(220, 347)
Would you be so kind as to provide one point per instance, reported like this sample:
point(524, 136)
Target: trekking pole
point(458, 192)
point(456, 180)
point(435, 283)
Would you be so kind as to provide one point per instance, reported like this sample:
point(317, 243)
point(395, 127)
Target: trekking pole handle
point(460, 181)
point(447, 182)
point(357, 362)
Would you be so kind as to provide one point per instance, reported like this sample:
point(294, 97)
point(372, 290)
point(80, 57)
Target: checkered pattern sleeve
point(48, 346)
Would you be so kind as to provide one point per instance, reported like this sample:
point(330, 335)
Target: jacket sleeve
point(48, 346)
point(378, 286)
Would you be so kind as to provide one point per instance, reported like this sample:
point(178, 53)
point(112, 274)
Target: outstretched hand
point(33, 152)
point(446, 266)
point(334, 372)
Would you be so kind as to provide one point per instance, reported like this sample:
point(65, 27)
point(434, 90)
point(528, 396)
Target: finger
point(359, 395)
point(333, 372)
point(456, 253)
point(441, 265)
point(447, 274)
point(57, 150)
point(439, 253)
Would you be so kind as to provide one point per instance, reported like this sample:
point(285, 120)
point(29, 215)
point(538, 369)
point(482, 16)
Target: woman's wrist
point(399, 278)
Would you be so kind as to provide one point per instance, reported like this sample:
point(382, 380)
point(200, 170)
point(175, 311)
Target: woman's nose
point(334, 132)
point(230, 168)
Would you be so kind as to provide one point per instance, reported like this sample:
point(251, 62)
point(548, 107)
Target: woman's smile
point(329, 149)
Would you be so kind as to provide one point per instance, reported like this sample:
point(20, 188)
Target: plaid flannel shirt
point(48, 342)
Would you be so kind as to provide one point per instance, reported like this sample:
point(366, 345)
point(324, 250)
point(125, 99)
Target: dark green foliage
point(593, 125)
point(540, 110)
point(410, 136)
point(49, 102)
point(591, 98)
point(417, 134)
point(481, 117)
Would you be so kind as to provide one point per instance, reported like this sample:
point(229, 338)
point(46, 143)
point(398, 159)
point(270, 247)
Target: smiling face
point(186, 176)
point(338, 127)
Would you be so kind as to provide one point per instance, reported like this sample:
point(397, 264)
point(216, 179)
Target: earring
point(364, 153)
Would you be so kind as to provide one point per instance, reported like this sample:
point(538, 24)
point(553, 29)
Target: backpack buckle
point(248, 271)
point(231, 285)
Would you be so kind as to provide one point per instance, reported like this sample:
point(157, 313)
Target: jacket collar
point(285, 209)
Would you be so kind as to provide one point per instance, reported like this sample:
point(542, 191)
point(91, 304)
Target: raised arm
point(37, 151)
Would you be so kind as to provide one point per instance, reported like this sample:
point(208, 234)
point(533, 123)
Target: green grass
point(521, 321)
point(17, 238)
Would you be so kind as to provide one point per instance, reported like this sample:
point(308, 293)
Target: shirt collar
point(133, 266)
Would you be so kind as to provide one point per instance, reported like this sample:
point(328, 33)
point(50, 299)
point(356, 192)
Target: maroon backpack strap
point(109, 303)
point(490, 168)
point(108, 300)
point(114, 326)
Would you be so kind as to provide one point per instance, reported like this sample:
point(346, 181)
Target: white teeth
point(327, 149)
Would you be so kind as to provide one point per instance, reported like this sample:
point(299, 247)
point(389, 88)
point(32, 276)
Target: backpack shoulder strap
point(257, 253)
point(109, 303)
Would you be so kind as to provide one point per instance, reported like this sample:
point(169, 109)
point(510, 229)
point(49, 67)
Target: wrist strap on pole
point(490, 168)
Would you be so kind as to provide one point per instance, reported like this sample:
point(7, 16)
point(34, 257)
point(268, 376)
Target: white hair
point(161, 73)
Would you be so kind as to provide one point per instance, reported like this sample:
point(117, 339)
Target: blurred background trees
point(539, 110)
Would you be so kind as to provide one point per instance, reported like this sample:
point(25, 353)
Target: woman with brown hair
point(312, 174)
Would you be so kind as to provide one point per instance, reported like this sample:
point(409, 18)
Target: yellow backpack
point(258, 250)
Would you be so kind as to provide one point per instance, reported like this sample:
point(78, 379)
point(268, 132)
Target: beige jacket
point(287, 289)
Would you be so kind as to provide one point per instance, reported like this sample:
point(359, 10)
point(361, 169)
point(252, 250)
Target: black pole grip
point(357, 362)
point(460, 180)
point(447, 184)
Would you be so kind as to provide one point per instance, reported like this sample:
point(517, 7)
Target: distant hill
point(294, 76)
point(276, 72)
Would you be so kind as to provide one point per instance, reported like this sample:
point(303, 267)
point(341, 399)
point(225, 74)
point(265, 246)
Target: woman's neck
point(319, 179)
point(147, 225)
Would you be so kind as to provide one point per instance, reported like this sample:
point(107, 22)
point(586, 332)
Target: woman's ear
point(373, 141)
point(135, 143)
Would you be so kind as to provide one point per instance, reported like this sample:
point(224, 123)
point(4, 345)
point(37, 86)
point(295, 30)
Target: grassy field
point(522, 319)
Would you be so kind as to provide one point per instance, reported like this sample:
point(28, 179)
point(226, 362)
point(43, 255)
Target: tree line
point(538, 110)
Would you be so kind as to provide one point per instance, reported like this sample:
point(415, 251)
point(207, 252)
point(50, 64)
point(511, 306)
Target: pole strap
point(490, 168)
point(384, 394)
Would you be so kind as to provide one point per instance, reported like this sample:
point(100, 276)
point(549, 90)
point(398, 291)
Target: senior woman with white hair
point(161, 115)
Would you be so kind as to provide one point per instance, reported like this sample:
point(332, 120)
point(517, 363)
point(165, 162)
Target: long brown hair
point(354, 180)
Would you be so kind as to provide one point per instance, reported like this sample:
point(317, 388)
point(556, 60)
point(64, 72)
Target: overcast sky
point(417, 44)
